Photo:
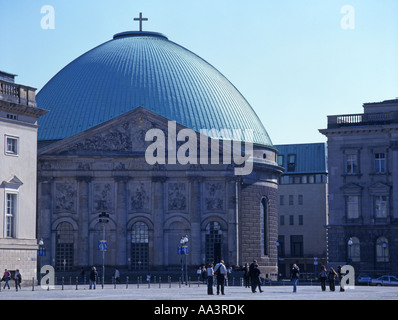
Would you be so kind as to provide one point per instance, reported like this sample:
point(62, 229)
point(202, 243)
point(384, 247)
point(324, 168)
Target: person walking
point(246, 275)
point(210, 276)
point(93, 278)
point(340, 277)
point(295, 276)
point(18, 280)
point(6, 278)
point(116, 275)
point(332, 276)
point(323, 278)
point(255, 278)
point(220, 273)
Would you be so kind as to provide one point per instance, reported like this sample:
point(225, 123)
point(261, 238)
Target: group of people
point(251, 276)
point(7, 276)
point(325, 276)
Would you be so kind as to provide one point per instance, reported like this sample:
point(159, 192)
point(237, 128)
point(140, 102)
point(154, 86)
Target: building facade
point(94, 158)
point(303, 208)
point(18, 145)
point(363, 188)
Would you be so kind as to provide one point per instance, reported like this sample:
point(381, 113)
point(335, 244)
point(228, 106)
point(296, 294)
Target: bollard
point(77, 281)
point(127, 282)
point(179, 282)
point(169, 281)
point(189, 282)
point(138, 282)
point(63, 281)
point(33, 284)
point(160, 282)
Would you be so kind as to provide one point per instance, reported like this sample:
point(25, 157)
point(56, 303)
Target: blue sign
point(183, 250)
point(102, 245)
point(41, 252)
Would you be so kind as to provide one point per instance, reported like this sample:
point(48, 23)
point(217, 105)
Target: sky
point(295, 61)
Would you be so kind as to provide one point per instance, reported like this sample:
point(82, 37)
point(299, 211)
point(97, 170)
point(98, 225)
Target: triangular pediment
point(12, 183)
point(351, 188)
point(123, 135)
point(379, 188)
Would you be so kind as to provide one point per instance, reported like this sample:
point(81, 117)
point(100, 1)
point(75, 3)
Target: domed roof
point(143, 69)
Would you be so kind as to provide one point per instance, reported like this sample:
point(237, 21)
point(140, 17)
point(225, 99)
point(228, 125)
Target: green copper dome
point(143, 69)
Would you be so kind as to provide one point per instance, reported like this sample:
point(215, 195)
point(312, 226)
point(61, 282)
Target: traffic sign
point(102, 245)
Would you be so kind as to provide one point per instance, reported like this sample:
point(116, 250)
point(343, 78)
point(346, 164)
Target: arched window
point(213, 245)
point(139, 246)
point(382, 251)
point(64, 247)
point(354, 250)
point(264, 226)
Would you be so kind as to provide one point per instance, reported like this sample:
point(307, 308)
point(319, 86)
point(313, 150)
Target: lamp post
point(103, 218)
point(384, 246)
point(184, 251)
point(349, 250)
point(41, 245)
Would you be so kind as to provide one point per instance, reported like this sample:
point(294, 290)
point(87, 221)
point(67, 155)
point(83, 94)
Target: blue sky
point(291, 59)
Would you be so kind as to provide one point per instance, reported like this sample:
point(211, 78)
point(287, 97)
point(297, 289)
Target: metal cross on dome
point(140, 19)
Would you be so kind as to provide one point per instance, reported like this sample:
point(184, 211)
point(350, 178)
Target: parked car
point(385, 281)
point(364, 278)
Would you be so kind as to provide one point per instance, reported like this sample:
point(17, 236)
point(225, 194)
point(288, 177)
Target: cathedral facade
point(96, 162)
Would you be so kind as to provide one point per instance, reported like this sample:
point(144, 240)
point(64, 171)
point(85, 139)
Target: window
point(213, 244)
point(291, 220)
point(11, 210)
point(264, 226)
point(300, 199)
point(281, 200)
point(354, 250)
point(380, 163)
point(282, 220)
point(280, 160)
point(291, 200)
point(64, 247)
point(139, 246)
point(11, 145)
point(301, 220)
point(352, 164)
point(352, 203)
point(12, 116)
point(381, 206)
point(382, 252)
point(296, 246)
point(291, 162)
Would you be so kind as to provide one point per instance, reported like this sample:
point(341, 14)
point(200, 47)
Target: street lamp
point(184, 251)
point(350, 243)
point(103, 218)
point(384, 246)
point(41, 245)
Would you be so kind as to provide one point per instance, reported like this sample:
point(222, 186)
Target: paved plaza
point(196, 293)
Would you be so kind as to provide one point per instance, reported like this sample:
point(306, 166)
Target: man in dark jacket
point(255, 278)
point(295, 276)
point(93, 277)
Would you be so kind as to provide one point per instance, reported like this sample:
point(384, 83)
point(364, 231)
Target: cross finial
point(140, 19)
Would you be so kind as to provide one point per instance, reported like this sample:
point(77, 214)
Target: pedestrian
point(246, 275)
point(255, 278)
point(116, 275)
point(220, 273)
point(199, 273)
point(148, 277)
point(295, 276)
point(332, 276)
point(82, 275)
point(93, 278)
point(18, 280)
point(323, 276)
point(204, 274)
point(340, 277)
point(210, 275)
point(6, 278)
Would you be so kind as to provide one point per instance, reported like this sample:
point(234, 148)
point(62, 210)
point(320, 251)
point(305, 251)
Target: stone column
point(83, 217)
point(159, 244)
point(233, 189)
point(45, 205)
point(121, 220)
point(195, 218)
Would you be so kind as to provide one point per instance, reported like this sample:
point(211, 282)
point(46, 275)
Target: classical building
point(363, 188)
point(303, 208)
point(123, 137)
point(18, 145)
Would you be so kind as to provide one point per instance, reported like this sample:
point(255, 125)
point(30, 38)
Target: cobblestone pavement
point(196, 293)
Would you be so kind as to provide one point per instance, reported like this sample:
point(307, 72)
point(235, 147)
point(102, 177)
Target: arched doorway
point(213, 242)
